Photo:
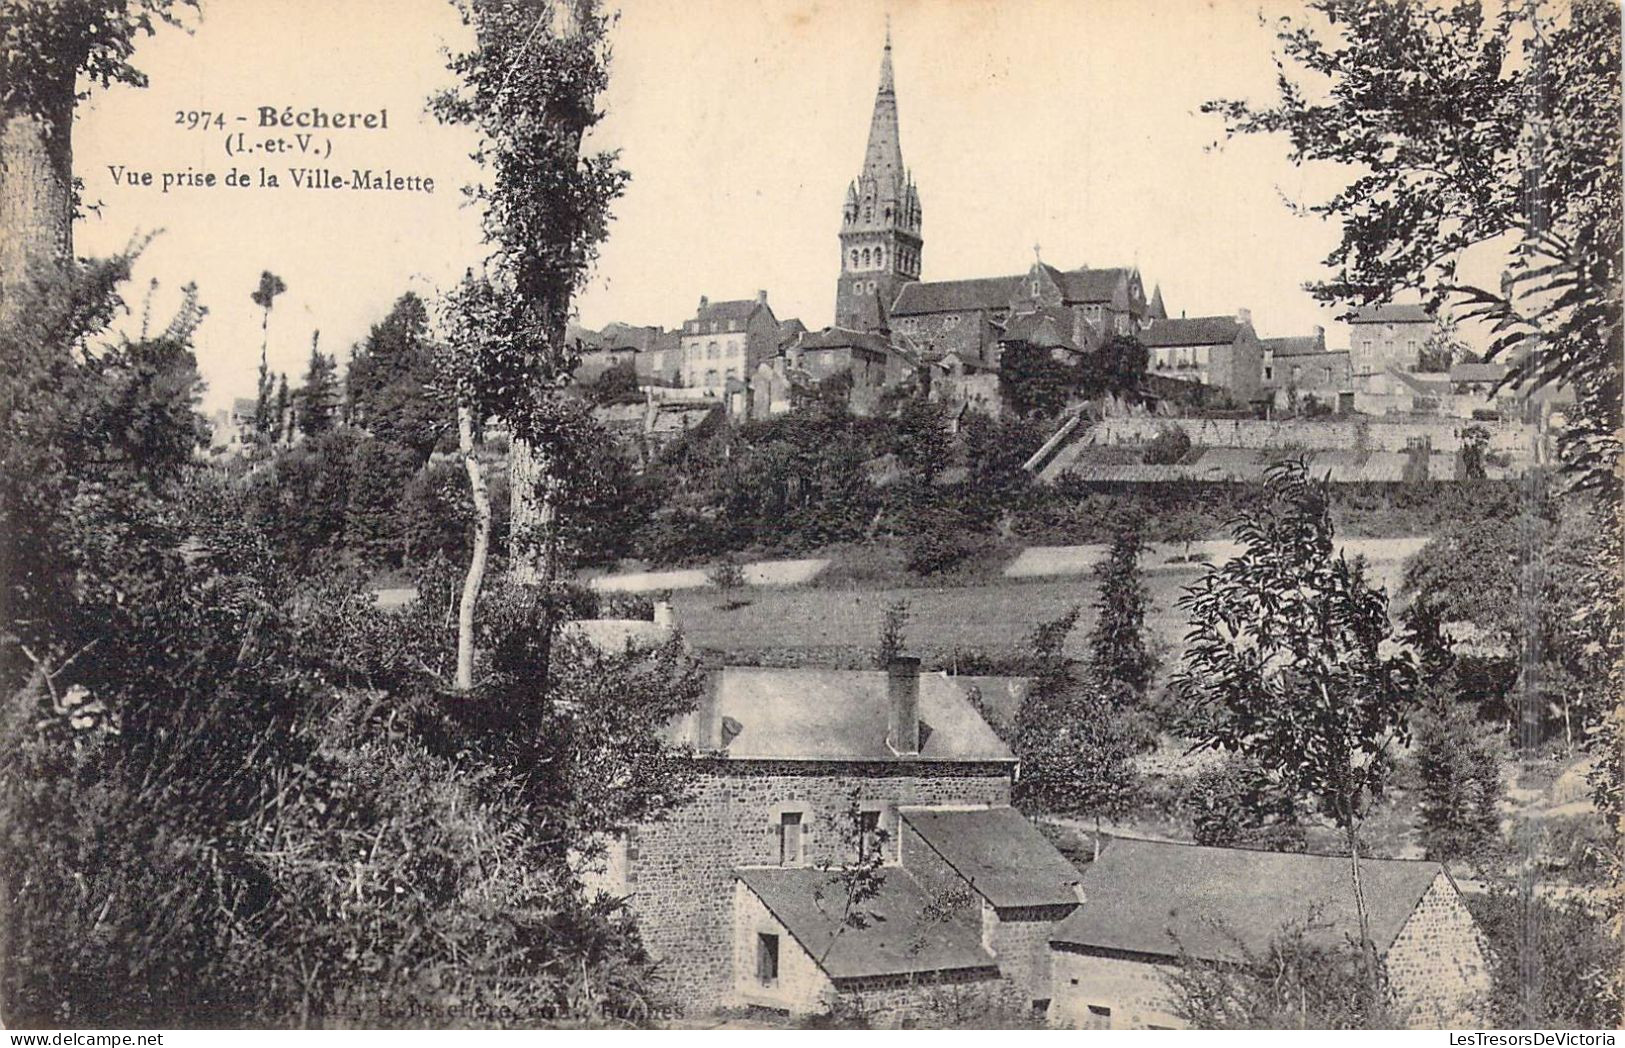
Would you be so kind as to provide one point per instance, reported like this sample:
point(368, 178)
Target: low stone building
point(804, 775)
point(1222, 352)
point(1145, 901)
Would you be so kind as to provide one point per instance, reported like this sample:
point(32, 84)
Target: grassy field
point(994, 617)
point(836, 623)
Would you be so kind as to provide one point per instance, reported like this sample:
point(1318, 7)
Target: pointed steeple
point(884, 159)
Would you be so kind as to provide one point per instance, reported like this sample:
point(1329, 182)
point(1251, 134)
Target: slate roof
point(943, 296)
point(1138, 892)
point(1191, 331)
point(1000, 853)
point(896, 938)
point(831, 715)
point(1046, 328)
point(789, 329)
point(739, 309)
point(1389, 313)
point(1294, 345)
point(999, 698)
point(838, 338)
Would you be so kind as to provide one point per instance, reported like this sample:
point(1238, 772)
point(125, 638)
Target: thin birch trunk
point(482, 548)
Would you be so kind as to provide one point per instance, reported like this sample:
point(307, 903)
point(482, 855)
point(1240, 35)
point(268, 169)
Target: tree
point(44, 49)
point(319, 395)
point(1033, 382)
point(264, 296)
point(1460, 770)
point(1297, 981)
point(530, 88)
point(889, 645)
point(1117, 650)
point(922, 441)
point(1117, 367)
point(389, 384)
point(1076, 754)
point(1286, 654)
point(616, 384)
point(1235, 805)
point(855, 872)
point(1510, 134)
point(1170, 445)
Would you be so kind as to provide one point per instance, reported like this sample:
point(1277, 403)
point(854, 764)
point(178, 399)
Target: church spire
point(884, 160)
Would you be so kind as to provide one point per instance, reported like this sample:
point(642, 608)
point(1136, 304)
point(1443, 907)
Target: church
point(951, 332)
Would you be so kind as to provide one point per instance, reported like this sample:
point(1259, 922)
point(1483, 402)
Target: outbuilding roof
point(757, 713)
point(999, 853)
point(889, 934)
point(1154, 897)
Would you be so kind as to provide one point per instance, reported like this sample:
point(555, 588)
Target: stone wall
point(974, 998)
point(1133, 989)
point(1340, 435)
point(1438, 967)
point(679, 871)
point(1019, 939)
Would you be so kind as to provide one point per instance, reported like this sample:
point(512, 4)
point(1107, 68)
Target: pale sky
point(1069, 124)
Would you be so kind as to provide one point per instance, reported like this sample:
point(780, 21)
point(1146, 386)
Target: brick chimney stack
point(704, 302)
point(1244, 316)
point(761, 296)
point(903, 705)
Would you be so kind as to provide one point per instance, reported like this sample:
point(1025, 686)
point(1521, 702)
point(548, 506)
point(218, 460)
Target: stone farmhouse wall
point(678, 872)
point(1438, 967)
point(935, 1000)
point(1445, 434)
point(802, 988)
point(1019, 938)
point(1132, 987)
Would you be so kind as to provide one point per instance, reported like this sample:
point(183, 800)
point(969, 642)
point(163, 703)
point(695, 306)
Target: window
point(767, 958)
point(1035, 289)
point(711, 376)
point(854, 258)
point(865, 258)
point(1269, 374)
point(1100, 1017)
point(790, 838)
point(711, 350)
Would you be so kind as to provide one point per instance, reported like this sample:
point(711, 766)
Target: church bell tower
point(880, 222)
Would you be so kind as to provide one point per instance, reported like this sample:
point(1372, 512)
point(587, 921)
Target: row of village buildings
point(949, 338)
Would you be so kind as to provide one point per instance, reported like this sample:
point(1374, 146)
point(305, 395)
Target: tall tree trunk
point(482, 549)
point(36, 197)
point(1368, 948)
point(532, 516)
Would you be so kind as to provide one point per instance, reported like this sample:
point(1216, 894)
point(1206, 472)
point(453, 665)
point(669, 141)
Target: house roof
point(892, 935)
point(789, 329)
point(1294, 345)
point(998, 698)
point(1191, 331)
point(831, 715)
point(1390, 313)
point(1153, 897)
point(840, 338)
point(1091, 285)
point(1000, 853)
point(740, 309)
point(1428, 385)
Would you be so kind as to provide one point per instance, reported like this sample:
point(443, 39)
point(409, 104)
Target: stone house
point(1145, 900)
point(802, 773)
point(1299, 370)
point(1221, 352)
point(1387, 336)
point(727, 341)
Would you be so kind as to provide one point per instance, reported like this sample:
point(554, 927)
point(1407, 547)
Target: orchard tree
point(1471, 129)
point(1076, 753)
point(530, 88)
point(1287, 659)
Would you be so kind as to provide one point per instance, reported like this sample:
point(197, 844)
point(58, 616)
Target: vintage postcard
point(811, 514)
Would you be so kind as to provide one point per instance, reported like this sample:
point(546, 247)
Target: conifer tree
point(1117, 649)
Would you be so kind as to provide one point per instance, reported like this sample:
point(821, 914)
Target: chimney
point(903, 705)
point(707, 717)
point(1320, 336)
point(1244, 316)
point(761, 296)
point(703, 303)
point(664, 615)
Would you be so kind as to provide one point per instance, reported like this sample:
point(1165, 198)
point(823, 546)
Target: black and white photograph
point(811, 515)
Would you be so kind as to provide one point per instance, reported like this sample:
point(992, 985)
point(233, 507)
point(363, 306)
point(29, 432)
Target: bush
point(1170, 445)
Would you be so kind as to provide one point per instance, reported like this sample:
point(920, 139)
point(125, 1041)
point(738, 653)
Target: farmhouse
point(1144, 901)
point(806, 775)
